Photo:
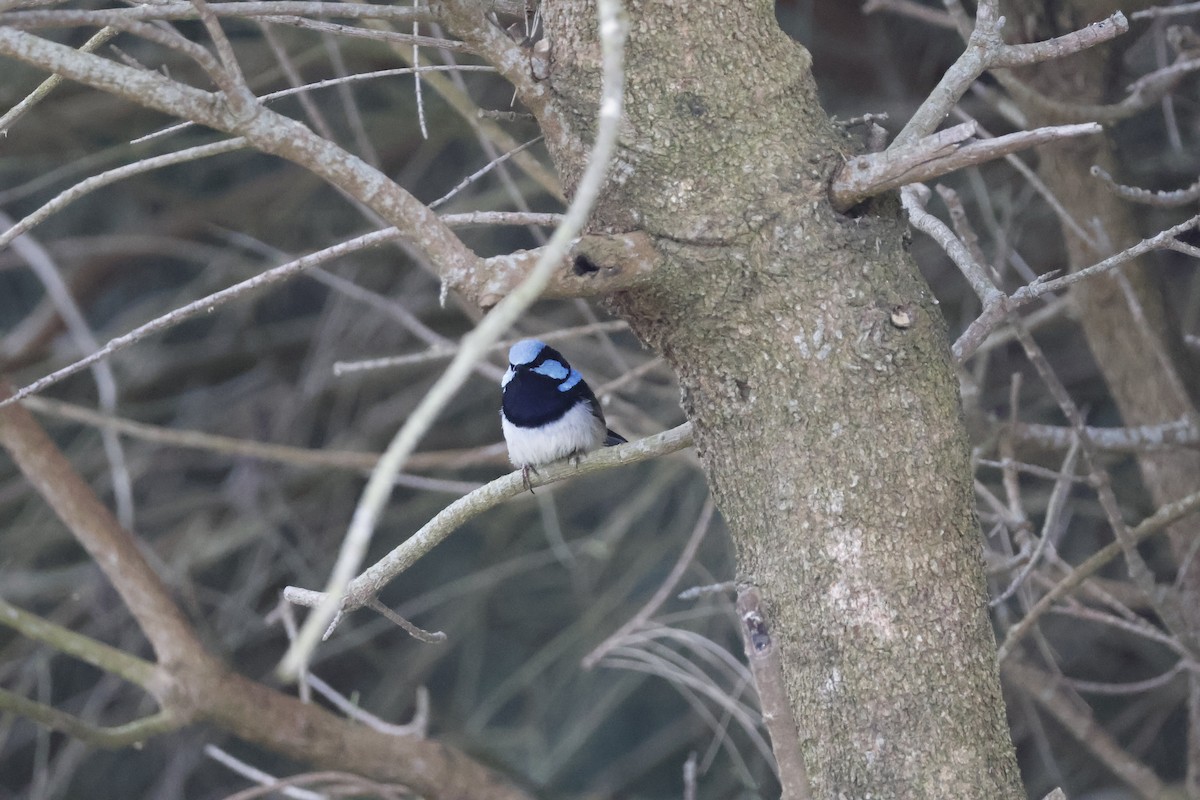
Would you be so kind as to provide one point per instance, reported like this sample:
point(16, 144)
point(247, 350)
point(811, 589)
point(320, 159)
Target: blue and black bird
point(548, 411)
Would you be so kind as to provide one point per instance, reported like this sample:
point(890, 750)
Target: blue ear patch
point(572, 379)
point(525, 351)
point(553, 369)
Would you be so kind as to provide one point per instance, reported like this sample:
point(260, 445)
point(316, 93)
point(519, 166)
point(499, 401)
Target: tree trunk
point(814, 365)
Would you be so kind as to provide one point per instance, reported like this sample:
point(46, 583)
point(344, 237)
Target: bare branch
point(613, 30)
point(368, 585)
point(98, 40)
point(522, 218)
point(229, 77)
point(420, 634)
point(112, 547)
point(56, 18)
point(64, 640)
point(986, 50)
point(909, 8)
point(1143, 94)
point(661, 594)
point(131, 733)
point(1147, 197)
point(1022, 55)
point(1166, 11)
point(416, 727)
point(994, 315)
point(1046, 690)
point(766, 664)
point(940, 153)
point(89, 185)
point(914, 198)
point(268, 131)
point(1143, 438)
point(178, 315)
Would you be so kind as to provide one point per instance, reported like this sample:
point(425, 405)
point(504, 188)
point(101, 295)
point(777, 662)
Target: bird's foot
point(525, 470)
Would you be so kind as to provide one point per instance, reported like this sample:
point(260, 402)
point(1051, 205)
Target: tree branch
point(204, 304)
point(940, 153)
point(110, 546)
point(267, 131)
point(595, 265)
point(986, 50)
point(613, 28)
point(994, 315)
point(366, 586)
point(192, 685)
point(131, 733)
point(766, 664)
point(54, 18)
point(1151, 525)
point(98, 654)
point(1139, 439)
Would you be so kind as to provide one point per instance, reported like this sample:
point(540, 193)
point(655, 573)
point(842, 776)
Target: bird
point(548, 412)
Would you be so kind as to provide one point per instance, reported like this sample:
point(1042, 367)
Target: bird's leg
point(525, 470)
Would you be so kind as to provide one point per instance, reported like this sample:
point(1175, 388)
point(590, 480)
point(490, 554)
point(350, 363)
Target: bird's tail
point(611, 438)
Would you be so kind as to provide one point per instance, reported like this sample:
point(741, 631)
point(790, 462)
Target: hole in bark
point(584, 266)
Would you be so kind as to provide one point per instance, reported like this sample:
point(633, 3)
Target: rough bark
point(830, 435)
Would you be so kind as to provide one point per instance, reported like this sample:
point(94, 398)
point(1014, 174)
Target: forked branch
point(918, 154)
point(938, 154)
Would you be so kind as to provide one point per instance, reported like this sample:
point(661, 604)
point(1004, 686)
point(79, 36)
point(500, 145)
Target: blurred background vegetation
point(526, 591)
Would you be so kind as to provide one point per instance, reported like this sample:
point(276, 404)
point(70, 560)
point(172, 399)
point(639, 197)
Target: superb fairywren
point(548, 411)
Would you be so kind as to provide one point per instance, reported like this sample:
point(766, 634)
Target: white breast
point(576, 432)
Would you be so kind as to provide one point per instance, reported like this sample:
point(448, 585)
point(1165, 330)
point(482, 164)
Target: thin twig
point(914, 197)
point(416, 63)
point(986, 50)
point(420, 634)
point(699, 530)
point(205, 305)
point(98, 40)
point(416, 727)
point(475, 344)
point(766, 664)
point(1166, 199)
point(242, 9)
point(439, 353)
point(374, 578)
point(996, 313)
point(237, 93)
point(88, 185)
point(116, 737)
point(1165, 516)
point(470, 179)
point(100, 655)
